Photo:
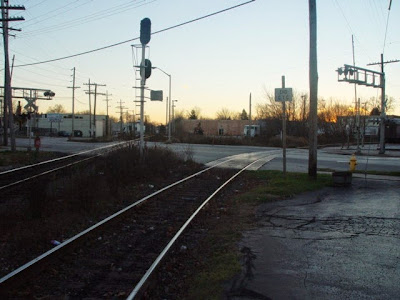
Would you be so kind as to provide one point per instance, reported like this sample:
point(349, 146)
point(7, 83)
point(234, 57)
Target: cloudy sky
point(214, 63)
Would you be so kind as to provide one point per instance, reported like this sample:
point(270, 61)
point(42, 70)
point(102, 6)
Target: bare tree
point(295, 109)
point(270, 109)
point(83, 112)
point(57, 108)
point(224, 114)
point(375, 102)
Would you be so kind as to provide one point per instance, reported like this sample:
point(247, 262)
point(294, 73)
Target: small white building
point(55, 123)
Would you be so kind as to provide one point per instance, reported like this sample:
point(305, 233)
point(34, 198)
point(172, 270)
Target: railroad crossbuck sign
point(31, 104)
point(283, 94)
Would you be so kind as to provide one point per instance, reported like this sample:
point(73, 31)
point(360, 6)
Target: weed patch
point(273, 185)
point(22, 158)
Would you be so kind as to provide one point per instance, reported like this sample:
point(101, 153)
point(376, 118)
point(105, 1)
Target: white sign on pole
point(56, 118)
point(283, 94)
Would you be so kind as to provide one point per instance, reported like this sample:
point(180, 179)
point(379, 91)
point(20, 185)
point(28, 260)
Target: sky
point(214, 63)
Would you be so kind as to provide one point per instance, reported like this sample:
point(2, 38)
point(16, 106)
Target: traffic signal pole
point(383, 103)
point(145, 35)
point(142, 83)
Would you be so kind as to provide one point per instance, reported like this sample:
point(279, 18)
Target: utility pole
point(313, 77)
point(73, 99)
point(357, 117)
point(90, 109)
point(120, 115)
point(303, 97)
point(250, 108)
point(134, 124)
point(95, 93)
point(383, 102)
point(7, 97)
point(108, 118)
point(284, 130)
point(173, 115)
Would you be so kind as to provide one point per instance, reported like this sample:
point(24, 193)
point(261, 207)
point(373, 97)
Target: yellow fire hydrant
point(353, 163)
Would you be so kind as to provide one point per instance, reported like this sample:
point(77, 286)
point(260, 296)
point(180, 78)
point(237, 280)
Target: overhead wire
point(86, 19)
point(387, 23)
point(351, 29)
point(131, 40)
point(48, 14)
point(37, 4)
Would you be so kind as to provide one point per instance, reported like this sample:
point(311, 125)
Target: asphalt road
point(297, 159)
point(337, 243)
point(59, 144)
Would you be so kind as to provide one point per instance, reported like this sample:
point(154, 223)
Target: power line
point(131, 40)
point(85, 19)
point(351, 29)
point(387, 23)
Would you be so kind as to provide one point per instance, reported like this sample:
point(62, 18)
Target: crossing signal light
point(49, 94)
point(145, 31)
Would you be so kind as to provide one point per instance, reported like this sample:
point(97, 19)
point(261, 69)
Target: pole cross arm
point(13, 7)
point(13, 19)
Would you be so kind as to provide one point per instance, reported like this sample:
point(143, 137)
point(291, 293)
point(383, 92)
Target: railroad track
point(17, 176)
point(117, 256)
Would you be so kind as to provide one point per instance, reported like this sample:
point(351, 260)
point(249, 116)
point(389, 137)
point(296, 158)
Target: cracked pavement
point(336, 243)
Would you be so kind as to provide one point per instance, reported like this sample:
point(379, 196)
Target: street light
point(168, 105)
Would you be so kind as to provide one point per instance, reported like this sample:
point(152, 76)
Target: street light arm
point(168, 121)
point(161, 71)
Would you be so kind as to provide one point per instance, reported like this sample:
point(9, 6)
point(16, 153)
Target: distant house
point(216, 127)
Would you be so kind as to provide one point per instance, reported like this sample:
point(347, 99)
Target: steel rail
point(76, 237)
point(59, 168)
point(62, 158)
point(176, 236)
point(47, 172)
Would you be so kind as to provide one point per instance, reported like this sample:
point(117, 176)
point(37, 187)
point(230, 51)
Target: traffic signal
point(147, 68)
point(145, 31)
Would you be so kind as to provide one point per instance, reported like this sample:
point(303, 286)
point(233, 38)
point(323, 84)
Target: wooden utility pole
point(90, 109)
point(107, 118)
point(250, 108)
point(73, 100)
point(357, 116)
point(95, 93)
point(313, 77)
point(284, 130)
point(7, 96)
point(120, 115)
